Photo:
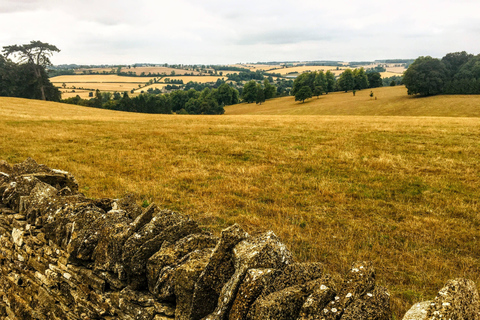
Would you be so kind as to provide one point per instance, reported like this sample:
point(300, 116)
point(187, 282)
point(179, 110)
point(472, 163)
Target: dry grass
point(390, 74)
point(399, 191)
point(391, 101)
point(154, 86)
point(200, 79)
point(108, 78)
point(168, 71)
point(302, 69)
point(102, 86)
point(67, 93)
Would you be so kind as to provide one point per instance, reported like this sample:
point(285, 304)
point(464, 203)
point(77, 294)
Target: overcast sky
point(230, 31)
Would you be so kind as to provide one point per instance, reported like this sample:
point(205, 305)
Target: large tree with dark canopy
point(34, 58)
point(426, 76)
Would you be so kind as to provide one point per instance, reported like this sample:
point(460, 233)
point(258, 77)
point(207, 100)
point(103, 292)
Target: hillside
point(391, 101)
point(399, 191)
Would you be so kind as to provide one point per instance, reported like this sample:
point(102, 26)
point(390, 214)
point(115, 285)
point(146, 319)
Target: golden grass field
point(67, 93)
point(200, 79)
point(388, 74)
point(168, 71)
point(98, 78)
point(338, 185)
point(301, 69)
point(102, 86)
point(154, 86)
point(391, 101)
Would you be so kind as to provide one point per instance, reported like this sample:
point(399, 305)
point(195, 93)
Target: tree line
point(316, 83)
point(207, 101)
point(455, 73)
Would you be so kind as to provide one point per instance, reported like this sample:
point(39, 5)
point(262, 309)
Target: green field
point(394, 185)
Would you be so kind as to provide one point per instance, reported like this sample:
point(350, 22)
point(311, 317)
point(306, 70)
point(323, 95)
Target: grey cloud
point(283, 37)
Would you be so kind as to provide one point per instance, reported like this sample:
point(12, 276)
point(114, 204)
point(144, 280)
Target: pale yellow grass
point(200, 79)
point(99, 70)
point(168, 71)
point(391, 101)
point(154, 86)
point(302, 69)
point(103, 86)
point(111, 78)
point(84, 94)
point(390, 74)
point(399, 70)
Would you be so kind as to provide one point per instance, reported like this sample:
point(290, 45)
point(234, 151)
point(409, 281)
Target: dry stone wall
point(64, 256)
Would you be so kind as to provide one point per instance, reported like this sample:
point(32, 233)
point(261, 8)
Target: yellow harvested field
point(154, 86)
point(167, 71)
point(389, 74)
point(84, 94)
point(111, 78)
point(199, 79)
point(391, 101)
point(301, 69)
point(99, 70)
point(255, 67)
point(399, 70)
point(102, 86)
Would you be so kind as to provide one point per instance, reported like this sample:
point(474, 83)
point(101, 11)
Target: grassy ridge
point(391, 101)
point(399, 191)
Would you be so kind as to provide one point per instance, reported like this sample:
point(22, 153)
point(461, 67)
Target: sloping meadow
point(401, 192)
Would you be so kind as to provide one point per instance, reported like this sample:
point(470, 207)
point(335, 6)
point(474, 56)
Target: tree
point(318, 91)
point(425, 76)
point(303, 93)
point(331, 81)
point(260, 94)
point(249, 93)
point(346, 80)
point(360, 79)
point(269, 90)
point(374, 79)
point(454, 61)
point(36, 55)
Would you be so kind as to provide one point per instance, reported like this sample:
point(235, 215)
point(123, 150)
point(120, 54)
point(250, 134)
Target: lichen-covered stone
point(218, 271)
point(265, 251)
point(16, 187)
point(161, 266)
point(418, 311)
point(129, 205)
point(458, 300)
point(374, 305)
point(320, 297)
point(252, 286)
point(185, 277)
point(283, 304)
point(358, 281)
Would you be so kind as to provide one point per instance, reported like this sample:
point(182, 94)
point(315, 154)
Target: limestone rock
point(418, 311)
point(358, 281)
point(373, 305)
point(111, 238)
point(165, 226)
point(252, 286)
point(320, 297)
point(265, 251)
point(185, 277)
point(129, 205)
point(161, 266)
point(458, 299)
point(17, 187)
point(218, 271)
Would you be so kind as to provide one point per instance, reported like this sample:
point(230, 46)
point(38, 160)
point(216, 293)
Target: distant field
point(391, 101)
point(255, 67)
point(103, 86)
point(99, 70)
point(154, 86)
point(84, 94)
point(168, 71)
point(200, 79)
point(301, 69)
point(390, 74)
point(399, 191)
point(110, 78)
